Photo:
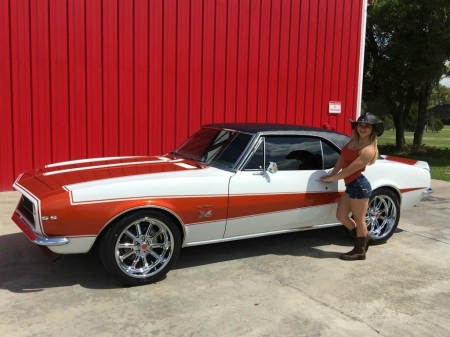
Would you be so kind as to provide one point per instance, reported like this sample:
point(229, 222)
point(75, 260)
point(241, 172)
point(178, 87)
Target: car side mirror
point(273, 168)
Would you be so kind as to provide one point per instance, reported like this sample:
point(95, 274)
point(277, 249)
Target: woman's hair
point(373, 142)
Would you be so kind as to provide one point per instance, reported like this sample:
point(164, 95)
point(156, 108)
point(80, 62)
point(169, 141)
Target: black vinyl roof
point(336, 138)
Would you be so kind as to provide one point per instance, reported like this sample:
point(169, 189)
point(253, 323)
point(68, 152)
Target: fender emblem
point(205, 214)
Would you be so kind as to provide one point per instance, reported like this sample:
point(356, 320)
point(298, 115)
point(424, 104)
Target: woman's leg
point(343, 210)
point(358, 207)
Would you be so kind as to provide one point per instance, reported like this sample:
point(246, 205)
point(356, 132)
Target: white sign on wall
point(334, 107)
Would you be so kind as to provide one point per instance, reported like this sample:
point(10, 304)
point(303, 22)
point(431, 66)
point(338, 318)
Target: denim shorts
point(359, 188)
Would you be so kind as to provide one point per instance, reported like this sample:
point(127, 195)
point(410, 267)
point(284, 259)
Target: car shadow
point(25, 268)
point(303, 243)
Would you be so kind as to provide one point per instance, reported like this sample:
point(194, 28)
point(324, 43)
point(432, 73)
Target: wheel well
point(393, 189)
point(121, 216)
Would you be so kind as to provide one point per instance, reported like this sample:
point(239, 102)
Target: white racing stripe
point(88, 160)
point(106, 166)
point(185, 165)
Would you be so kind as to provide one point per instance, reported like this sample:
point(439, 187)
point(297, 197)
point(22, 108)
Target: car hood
point(70, 174)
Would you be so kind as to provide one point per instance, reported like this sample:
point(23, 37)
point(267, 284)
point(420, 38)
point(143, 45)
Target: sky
point(446, 82)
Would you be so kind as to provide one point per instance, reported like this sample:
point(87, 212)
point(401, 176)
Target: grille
point(28, 205)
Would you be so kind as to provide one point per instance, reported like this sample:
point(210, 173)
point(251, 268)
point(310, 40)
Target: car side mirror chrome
point(273, 168)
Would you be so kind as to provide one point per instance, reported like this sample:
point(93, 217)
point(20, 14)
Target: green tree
point(436, 125)
point(407, 49)
point(439, 95)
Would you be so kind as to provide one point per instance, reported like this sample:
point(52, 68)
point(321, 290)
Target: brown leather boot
point(358, 252)
point(370, 239)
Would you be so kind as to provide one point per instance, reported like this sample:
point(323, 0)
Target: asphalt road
point(284, 285)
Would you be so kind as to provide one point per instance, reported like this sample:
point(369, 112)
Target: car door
point(262, 200)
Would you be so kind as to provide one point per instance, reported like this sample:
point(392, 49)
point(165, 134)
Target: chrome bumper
point(22, 223)
point(428, 191)
point(56, 241)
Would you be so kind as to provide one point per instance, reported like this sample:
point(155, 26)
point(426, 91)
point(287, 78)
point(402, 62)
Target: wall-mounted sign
point(334, 107)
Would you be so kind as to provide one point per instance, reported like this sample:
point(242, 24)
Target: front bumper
point(21, 221)
point(428, 191)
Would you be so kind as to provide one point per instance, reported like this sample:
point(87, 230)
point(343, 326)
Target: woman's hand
point(326, 179)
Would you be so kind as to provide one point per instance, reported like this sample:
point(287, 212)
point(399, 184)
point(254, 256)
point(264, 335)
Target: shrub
point(435, 125)
point(430, 151)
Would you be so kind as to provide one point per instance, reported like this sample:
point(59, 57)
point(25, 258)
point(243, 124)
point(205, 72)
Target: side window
point(257, 160)
point(330, 156)
point(234, 150)
point(289, 153)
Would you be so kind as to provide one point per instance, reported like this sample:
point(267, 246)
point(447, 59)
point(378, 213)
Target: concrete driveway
point(283, 285)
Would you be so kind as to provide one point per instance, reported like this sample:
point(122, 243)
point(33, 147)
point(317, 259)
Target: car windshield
point(216, 147)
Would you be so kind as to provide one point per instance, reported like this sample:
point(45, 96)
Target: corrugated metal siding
point(115, 77)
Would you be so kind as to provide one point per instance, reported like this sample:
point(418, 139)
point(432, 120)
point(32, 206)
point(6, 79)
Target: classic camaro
point(226, 182)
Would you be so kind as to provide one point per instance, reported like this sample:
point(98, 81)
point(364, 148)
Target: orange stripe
point(406, 190)
point(89, 219)
point(246, 205)
point(402, 160)
point(74, 177)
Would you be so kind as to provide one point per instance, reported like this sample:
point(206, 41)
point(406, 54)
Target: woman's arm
point(363, 159)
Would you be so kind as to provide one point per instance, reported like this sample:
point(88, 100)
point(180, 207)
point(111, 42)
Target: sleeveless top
point(348, 156)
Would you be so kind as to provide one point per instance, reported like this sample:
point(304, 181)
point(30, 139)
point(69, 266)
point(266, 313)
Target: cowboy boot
point(358, 252)
point(370, 238)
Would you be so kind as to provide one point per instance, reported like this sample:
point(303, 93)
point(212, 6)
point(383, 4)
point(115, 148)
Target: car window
point(289, 153)
point(330, 156)
point(256, 162)
point(205, 144)
point(233, 152)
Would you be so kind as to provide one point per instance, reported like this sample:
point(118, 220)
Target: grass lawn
point(435, 150)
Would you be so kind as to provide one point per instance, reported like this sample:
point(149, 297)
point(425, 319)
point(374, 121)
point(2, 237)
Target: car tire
point(383, 215)
point(141, 247)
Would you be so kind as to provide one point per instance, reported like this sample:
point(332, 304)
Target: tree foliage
point(388, 123)
point(436, 124)
point(407, 49)
point(439, 95)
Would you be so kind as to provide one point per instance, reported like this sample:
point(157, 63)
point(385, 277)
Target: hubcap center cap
point(144, 246)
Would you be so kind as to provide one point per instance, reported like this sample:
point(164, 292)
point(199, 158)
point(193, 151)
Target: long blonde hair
point(373, 142)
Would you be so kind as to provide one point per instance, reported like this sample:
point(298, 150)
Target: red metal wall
point(90, 78)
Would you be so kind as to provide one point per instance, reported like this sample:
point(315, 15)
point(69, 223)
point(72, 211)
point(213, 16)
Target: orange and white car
point(226, 182)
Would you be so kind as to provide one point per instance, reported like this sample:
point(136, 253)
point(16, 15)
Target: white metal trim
point(361, 58)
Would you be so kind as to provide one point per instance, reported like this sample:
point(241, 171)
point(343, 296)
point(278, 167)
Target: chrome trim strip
point(55, 241)
point(249, 236)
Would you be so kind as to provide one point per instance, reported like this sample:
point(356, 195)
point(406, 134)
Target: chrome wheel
point(383, 214)
point(144, 247)
point(141, 247)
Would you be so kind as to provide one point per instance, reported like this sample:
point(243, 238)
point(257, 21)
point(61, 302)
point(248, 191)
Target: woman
point(359, 152)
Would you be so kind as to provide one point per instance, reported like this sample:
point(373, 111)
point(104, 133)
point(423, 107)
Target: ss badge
point(205, 214)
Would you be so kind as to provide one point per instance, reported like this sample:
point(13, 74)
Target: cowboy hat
point(369, 118)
